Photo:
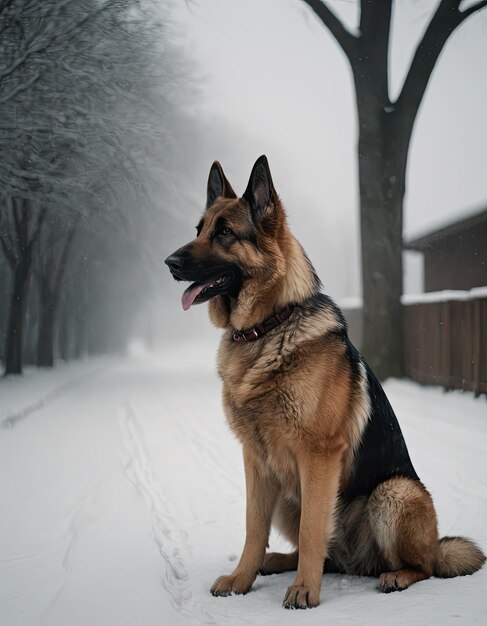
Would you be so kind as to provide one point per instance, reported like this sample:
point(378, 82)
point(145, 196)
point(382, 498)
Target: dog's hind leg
point(278, 562)
point(403, 522)
point(400, 579)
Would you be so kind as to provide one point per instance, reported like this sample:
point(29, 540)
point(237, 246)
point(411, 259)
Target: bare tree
point(385, 129)
point(20, 233)
point(50, 269)
point(88, 100)
point(36, 142)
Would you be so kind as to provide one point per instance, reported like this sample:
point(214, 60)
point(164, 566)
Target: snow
point(418, 298)
point(443, 222)
point(37, 388)
point(122, 498)
point(478, 292)
point(445, 296)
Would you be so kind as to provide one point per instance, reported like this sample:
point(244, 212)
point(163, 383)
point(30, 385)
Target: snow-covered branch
point(87, 104)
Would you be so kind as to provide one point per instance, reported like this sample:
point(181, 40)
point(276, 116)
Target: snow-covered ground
point(122, 499)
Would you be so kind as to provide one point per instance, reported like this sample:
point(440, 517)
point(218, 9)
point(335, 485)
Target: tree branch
point(445, 20)
point(13, 209)
point(19, 88)
point(9, 255)
point(38, 225)
point(371, 66)
point(345, 39)
point(40, 44)
point(65, 254)
point(473, 9)
point(16, 216)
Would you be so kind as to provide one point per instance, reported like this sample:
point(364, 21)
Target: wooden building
point(455, 256)
point(445, 329)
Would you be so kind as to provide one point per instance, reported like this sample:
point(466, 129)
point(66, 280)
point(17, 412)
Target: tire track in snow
point(10, 420)
point(204, 438)
point(70, 535)
point(202, 442)
point(171, 542)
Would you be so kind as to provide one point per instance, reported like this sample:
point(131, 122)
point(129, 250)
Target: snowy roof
point(444, 296)
point(446, 230)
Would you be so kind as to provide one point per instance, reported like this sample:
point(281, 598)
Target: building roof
point(453, 228)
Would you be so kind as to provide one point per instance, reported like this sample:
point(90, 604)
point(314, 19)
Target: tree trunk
point(45, 341)
point(384, 134)
point(79, 340)
point(26, 229)
point(382, 271)
point(383, 146)
point(5, 280)
point(63, 333)
point(31, 325)
point(18, 302)
point(79, 316)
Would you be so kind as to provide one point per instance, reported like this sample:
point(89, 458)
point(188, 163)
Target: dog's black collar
point(262, 329)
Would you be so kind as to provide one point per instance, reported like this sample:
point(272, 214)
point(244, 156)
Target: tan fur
point(276, 563)
point(394, 531)
point(457, 556)
point(269, 287)
point(290, 401)
point(300, 412)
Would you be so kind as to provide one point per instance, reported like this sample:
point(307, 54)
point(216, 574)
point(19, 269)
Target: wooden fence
point(446, 340)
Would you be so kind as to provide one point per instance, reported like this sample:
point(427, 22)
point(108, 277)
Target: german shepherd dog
point(324, 457)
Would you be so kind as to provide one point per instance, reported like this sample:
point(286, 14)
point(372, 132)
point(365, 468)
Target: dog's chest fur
point(272, 395)
point(263, 404)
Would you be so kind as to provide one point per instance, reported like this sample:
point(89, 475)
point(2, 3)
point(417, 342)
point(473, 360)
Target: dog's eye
point(226, 232)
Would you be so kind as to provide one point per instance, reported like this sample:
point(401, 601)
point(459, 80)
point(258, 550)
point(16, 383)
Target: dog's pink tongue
point(190, 294)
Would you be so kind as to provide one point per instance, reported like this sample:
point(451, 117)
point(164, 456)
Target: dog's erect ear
point(218, 185)
point(260, 190)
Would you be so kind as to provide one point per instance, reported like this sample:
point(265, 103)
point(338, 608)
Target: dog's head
point(242, 250)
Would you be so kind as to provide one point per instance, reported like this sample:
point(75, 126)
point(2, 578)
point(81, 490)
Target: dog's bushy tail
point(457, 556)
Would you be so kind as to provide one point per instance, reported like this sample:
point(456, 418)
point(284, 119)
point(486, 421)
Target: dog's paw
point(234, 583)
point(390, 581)
point(400, 580)
point(300, 597)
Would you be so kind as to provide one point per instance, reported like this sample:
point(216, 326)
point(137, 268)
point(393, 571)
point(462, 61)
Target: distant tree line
point(90, 105)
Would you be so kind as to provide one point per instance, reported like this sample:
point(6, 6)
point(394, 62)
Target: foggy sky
point(281, 86)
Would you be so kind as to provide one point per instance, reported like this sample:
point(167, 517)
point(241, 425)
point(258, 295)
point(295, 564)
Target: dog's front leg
point(319, 474)
point(261, 499)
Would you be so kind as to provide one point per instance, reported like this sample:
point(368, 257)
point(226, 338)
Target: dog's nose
point(174, 262)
